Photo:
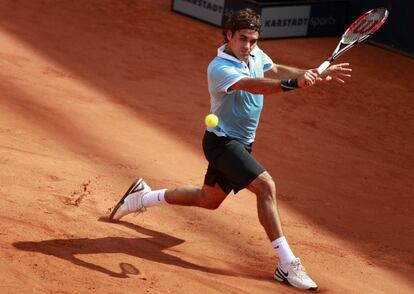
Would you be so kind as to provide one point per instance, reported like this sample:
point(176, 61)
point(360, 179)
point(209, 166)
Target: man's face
point(242, 42)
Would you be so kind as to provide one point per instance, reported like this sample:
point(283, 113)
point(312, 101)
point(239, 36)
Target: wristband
point(288, 85)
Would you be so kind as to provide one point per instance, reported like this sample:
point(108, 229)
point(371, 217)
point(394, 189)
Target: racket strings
point(365, 26)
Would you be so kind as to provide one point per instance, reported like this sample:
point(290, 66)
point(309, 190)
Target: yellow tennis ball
point(211, 120)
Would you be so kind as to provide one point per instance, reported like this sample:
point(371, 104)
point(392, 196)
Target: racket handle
point(321, 69)
point(323, 66)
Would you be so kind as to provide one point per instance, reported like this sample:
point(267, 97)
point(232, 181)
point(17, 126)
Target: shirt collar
point(222, 54)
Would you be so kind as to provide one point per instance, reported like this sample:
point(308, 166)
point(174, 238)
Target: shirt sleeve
point(266, 61)
point(222, 76)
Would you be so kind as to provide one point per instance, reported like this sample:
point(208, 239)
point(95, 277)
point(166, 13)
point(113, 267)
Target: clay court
point(96, 93)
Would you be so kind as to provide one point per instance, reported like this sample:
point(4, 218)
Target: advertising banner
point(295, 18)
point(280, 19)
point(210, 11)
point(328, 20)
point(285, 21)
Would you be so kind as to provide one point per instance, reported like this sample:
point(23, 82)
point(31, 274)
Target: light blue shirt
point(238, 111)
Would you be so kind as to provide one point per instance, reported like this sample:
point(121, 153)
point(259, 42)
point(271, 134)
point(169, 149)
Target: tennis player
point(236, 83)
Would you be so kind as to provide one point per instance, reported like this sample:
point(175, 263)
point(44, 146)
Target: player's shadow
point(150, 248)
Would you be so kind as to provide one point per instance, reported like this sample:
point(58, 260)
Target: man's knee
point(264, 186)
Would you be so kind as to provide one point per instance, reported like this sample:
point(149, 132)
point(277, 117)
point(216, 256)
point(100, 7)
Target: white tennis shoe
point(295, 275)
point(131, 201)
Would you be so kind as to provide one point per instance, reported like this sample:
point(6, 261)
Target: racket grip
point(323, 66)
point(321, 69)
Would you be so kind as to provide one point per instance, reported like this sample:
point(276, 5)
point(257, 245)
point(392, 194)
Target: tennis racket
point(358, 31)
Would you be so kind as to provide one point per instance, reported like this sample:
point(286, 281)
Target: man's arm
point(258, 85)
point(273, 85)
point(284, 72)
point(338, 72)
point(282, 78)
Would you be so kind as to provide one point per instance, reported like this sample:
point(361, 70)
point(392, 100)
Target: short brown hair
point(242, 19)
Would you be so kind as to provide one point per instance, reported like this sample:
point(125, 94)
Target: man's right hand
point(308, 78)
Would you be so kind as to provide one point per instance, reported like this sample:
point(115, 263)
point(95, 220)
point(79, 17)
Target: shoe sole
point(121, 201)
point(285, 281)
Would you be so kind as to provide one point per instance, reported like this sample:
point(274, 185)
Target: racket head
point(365, 25)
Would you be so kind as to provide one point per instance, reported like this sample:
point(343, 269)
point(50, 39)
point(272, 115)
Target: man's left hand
point(338, 72)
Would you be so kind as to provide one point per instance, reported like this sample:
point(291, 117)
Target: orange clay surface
point(96, 93)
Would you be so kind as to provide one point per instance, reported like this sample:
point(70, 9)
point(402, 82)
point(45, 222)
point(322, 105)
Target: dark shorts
point(231, 164)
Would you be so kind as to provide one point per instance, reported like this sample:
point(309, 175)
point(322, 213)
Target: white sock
point(153, 198)
point(283, 250)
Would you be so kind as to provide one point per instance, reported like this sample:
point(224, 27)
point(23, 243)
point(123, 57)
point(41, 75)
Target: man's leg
point(290, 269)
point(265, 189)
point(206, 197)
point(140, 196)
